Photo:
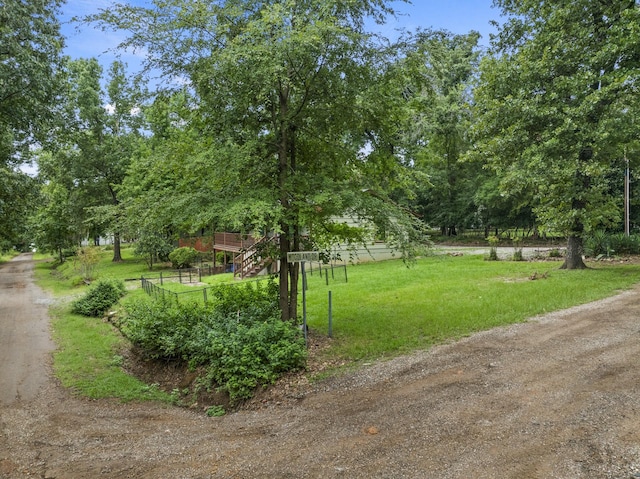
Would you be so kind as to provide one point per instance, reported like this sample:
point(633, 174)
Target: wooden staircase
point(253, 259)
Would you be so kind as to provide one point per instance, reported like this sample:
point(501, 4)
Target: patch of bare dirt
point(175, 376)
point(555, 397)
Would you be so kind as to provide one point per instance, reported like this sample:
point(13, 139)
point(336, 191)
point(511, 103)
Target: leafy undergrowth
point(235, 343)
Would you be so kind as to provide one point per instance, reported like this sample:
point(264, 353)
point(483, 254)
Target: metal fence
point(153, 283)
point(326, 272)
point(158, 292)
point(186, 275)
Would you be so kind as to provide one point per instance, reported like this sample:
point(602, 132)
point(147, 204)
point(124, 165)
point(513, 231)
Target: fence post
point(180, 276)
point(330, 316)
point(204, 294)
point(161, 283)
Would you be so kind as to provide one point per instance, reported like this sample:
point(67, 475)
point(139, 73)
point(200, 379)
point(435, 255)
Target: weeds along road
point(555, 397)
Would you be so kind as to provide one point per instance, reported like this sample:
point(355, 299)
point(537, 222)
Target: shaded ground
point(557, 397)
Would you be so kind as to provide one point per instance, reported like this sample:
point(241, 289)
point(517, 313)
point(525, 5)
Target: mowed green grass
point(88, 356)
point(88, 360)
point(386, 309)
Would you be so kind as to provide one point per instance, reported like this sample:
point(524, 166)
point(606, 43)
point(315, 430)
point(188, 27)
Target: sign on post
point(302, 256)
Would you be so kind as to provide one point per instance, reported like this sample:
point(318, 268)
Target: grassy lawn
point(384, 309)
point(87, 359)
point(387, 309)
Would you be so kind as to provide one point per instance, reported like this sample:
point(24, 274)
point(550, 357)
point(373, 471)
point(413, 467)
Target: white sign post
point(302, 257)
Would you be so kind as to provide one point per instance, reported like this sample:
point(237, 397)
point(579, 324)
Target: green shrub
point(555, 253)
point(597, 244)
point(623, 244)
point(245, 357)
point(601, 243)
point(162, 329)
point(88, 258)
point(183, 257)
point(104, 294)
point(238, 338)
point(493, 248)
point(517, 249)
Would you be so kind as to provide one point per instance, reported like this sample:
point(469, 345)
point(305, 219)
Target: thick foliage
point(104, 294)
point(238, 337)
point(183, 257)
point(600, 243)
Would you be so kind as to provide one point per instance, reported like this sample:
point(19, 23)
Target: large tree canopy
point(30, 57)
point(445, 65)
point(556, 104)
point(92, 153)
point(285, 104)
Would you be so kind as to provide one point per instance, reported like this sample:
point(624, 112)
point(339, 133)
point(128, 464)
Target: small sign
point(301, 256)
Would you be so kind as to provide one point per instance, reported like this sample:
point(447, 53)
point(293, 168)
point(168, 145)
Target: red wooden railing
point(252, 259)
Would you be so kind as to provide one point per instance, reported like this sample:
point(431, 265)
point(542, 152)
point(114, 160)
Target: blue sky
point(457, 16)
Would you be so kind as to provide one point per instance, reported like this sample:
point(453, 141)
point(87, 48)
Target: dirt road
point(556, 397)
point(24, 332)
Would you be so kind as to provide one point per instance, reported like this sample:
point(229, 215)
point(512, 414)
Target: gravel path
point(556, 397)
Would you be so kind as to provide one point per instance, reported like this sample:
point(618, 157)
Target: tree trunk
point(283, 279)
point(285, 228)
point(117, 255)
point(573, 259)
point(575, 248)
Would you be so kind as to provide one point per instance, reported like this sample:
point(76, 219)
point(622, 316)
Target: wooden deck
point(232, 242)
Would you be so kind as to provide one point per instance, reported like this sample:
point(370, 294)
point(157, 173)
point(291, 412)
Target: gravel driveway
point(556, 397)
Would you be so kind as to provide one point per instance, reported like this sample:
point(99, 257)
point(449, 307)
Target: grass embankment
point(87, 359)
point(8, 256)
point(384, 309)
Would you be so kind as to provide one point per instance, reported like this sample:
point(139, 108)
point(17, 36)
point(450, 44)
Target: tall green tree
point(446, 65)
point(30, 61)
point(18, 198)
point(556, 103)
point(95, 148)
point(53, 224)
point(283, 94)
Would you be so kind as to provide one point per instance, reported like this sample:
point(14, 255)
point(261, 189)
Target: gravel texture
point(555, 397)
